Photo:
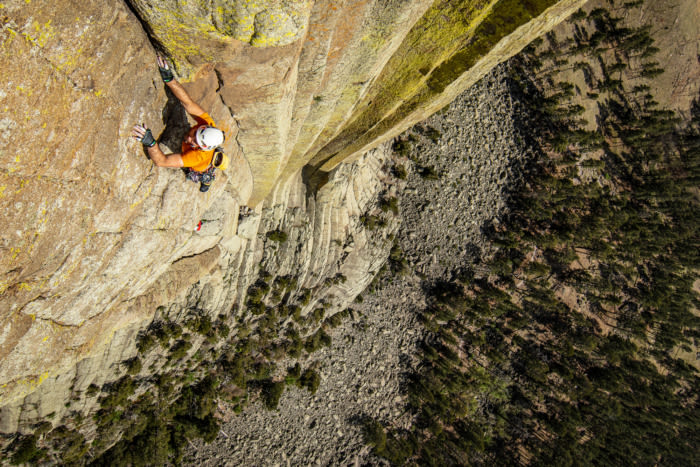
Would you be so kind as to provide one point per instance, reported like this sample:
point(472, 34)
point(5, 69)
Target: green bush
point(200, 324)
point(310, 380)
point(25, 451)
point(293, 374)
point(294, 344)
point(432, 134)
point(145, 342)
point(71, 443)
point(371, 222)
point(271, 394)
point(118, 392)
point(305, 297)
point(277, 236)
point(133, 365)
point(402, 147)
point(335, 320)
point(223, 330)
point(179, 349)
point(374, 435)
point(389, 204)
point(428, 173)
point(399, 172)
point(317, 340)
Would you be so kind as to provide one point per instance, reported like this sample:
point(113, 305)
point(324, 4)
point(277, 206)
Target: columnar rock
point(94, 238)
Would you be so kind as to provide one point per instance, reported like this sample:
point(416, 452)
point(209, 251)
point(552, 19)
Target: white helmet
point(209, 137)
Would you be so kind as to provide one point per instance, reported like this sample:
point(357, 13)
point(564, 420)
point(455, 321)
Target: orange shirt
point(196, 158)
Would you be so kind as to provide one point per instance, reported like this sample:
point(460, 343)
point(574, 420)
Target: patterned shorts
point(205, 177)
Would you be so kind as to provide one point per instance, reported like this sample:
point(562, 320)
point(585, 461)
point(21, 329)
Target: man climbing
point(198, 154)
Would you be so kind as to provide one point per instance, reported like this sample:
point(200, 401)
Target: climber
point(200, 155)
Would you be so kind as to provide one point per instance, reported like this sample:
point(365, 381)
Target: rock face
point(95, 238)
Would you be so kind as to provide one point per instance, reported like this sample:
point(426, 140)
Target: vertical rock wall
point(94, 238)
point(343, 75)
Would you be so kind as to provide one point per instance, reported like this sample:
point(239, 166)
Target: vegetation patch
point(572, 330)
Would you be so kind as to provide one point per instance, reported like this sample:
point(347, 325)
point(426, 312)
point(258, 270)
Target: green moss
point(446, 42)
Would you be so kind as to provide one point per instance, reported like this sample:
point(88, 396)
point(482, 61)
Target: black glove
point(165, 72)
point(148, 139)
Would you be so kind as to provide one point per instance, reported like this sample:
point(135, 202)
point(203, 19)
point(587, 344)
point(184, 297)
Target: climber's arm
point(166, 73)
point(191, 106)
point(165, 160)
point(144, 136)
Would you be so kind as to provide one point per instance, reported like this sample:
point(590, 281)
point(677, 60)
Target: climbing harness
point(206, 178)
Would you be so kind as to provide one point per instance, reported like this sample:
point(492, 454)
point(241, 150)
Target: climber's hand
point(165, 72)
point(143, 135)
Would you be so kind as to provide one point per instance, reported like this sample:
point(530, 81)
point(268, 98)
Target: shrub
point(397, 262)
point(295, 344)
point(428, 173)
point(389, 204)
point(374, 435)
point(200, 324)
point(133, 365)
point(25, 451)
point(271, 394)
point(277, 236)
point(399, 172)
point(317, 340)
point(286, 282)
point(118, 392)
point(402, 147)
point(145, 342)
point(179, 349)
point(310, 380)
point(335, 320)
point(432, 134)
point(223, 330)
point(305, 297)
point(293, 374)
point(71, 442)
point(371, 222)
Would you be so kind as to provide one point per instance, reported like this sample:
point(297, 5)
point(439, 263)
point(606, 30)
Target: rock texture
point(95, 238)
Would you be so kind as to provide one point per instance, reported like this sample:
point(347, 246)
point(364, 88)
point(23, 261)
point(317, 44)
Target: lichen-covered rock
point(88, 223)
point(343, 76)
point(94, 238)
